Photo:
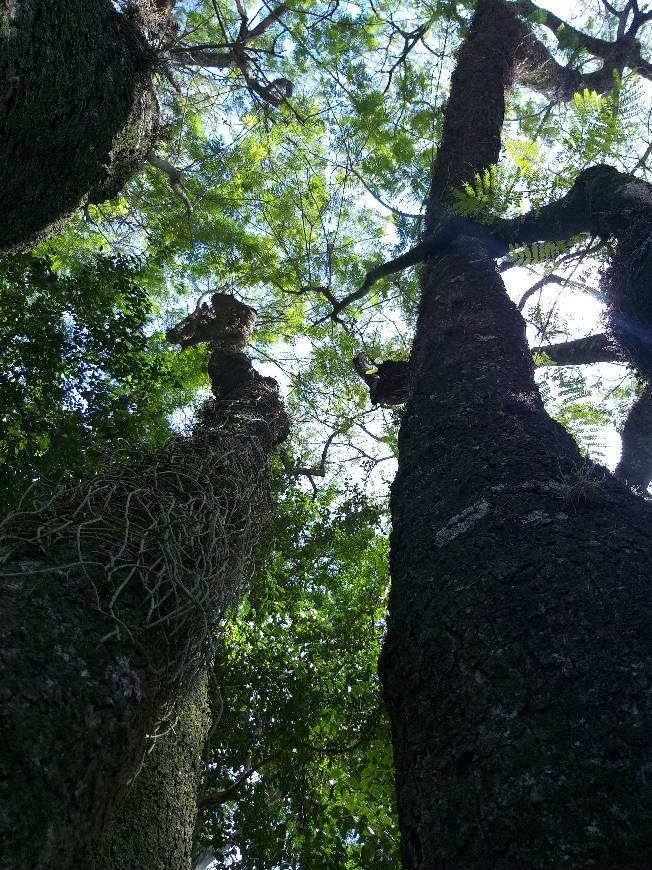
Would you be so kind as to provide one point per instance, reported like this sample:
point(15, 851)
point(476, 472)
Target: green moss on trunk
point(155, 824)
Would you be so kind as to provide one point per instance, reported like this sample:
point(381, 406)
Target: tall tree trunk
point(517, 663)
point(635, 466)
point(155, 825)
point(110, 592)
point(77, 112)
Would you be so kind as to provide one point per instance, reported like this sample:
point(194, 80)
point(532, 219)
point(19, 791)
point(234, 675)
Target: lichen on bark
point(155, 824)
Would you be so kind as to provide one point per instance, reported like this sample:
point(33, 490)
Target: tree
point(276, 205)
point(300, 771)
point(84, 384)
point(78, 111)
point(518, 641)
point(155, 824)
point(80, 114)
point(110, 590)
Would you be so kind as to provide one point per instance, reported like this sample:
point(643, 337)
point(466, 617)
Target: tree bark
point(110, 591)
point(517, 660)
point(518, 643)
point(483, 84)
point(77, 112)
point(635, 466)
point(541, 71)
point(155, 824)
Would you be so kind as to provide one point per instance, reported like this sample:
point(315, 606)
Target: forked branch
point(237, 54)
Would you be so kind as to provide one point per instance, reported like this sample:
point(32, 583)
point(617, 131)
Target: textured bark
point(77, 113)
point(389, 383)
point(541, 71)
point(602, 201)
point(517, 662)
point(485, 69)
point(155, 824)
point(635, 466)
point(108, 595)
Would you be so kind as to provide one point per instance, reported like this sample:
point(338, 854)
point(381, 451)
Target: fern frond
point(539, 252)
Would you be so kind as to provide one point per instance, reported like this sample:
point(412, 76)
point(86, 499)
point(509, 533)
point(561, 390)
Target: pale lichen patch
point(537, 518)
point(462, 522)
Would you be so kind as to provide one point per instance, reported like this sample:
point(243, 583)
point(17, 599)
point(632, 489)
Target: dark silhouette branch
point(216, 799)
point(602, 202)
point(539, 285)
point(540, 71)
point(238, 55)
point(559, 279)
point(265, 24)
point(581, 351)
point(315, 470)
point(635, 466)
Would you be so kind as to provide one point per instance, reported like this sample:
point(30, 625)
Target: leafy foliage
point(537, 253)
point(81, 377)
point(598, 125)
point(489, 196)
point(302, 709)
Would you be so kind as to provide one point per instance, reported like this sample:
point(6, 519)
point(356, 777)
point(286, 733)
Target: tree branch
point(581, 351)
point(186, 54)
point(598, 47)
point(315, 470)
point(449, 227)
point(236, 57)
point(216, 799)
point(175, 176)
point(539, 285)
point(601, 202)
point(265, 24)
point(540, 71)
point(553, 279)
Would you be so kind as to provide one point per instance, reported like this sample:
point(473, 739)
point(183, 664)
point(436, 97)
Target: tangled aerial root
point(112, 591)
point(164, 545)
point(161, 547)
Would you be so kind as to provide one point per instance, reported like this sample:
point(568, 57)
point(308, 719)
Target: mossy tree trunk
point(110, 592)
point(518, 658)
point(77, 112)
point(155, 824)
